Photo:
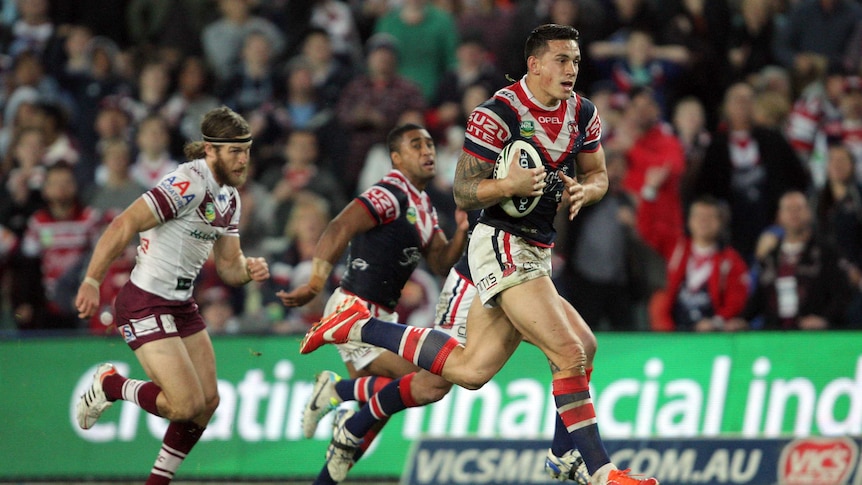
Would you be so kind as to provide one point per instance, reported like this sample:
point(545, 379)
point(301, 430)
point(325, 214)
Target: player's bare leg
point(185, 371)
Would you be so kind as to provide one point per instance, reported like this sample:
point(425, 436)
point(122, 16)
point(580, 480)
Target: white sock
point(130, 390)
point(600, 477)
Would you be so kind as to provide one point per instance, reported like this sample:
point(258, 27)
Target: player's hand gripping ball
point(528, 158)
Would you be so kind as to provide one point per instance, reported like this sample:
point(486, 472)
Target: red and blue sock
point(562, 441)
point(425, 347)
point(360, 389)
point(575, 407)
point(395, 397)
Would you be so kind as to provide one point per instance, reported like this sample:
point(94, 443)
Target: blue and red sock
point(360, 389)
point(425, 347)
point(575, 408)
point(395, 397)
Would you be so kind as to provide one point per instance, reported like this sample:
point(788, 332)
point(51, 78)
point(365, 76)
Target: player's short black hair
point(393, 139)
point(538, 39)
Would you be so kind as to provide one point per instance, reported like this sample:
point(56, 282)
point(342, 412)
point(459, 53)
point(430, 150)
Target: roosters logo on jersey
point(411, 257)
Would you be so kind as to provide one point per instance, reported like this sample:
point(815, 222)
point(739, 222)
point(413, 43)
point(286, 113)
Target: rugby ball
point(527, 158)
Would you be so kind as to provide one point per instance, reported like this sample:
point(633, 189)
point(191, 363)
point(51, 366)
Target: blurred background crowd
point(733, 133)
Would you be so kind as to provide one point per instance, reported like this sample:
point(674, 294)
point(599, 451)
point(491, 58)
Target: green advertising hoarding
point(752, 385)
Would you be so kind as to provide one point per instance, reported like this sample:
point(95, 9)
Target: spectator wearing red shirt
point(656, 163)
point(57, 236)
point(707, 281)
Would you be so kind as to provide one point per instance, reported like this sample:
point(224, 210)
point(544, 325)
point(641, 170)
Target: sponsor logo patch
point(209, 212)
point(486, 129)
point(509, 269)
point(128, 334)
point(821, 461)
point(383, 203)
point(359, 264)
point(527, 129)
point(168, 323)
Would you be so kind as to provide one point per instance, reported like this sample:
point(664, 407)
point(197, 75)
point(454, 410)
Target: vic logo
point(817, 460)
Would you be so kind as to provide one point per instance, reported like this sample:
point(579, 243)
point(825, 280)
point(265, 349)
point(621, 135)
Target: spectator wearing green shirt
point(427, 38)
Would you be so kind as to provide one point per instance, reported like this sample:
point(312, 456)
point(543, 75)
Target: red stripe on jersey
point(479, 157)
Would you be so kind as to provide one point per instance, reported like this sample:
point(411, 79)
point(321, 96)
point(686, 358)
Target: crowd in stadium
point(732, 128)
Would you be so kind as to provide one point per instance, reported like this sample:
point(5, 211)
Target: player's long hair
point(537, 41)
point(220, 122)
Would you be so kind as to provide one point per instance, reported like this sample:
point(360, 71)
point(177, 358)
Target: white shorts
point(500, 260)
point(358, 354)
point(452, 306)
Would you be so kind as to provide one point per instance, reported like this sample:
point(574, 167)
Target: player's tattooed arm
point(469, 174)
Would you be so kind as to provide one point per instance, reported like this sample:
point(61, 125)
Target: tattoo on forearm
point(469, 172)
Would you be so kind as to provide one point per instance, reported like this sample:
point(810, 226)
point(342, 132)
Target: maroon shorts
point(144, 317)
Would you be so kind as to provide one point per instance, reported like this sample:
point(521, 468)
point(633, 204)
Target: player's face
point(415, 157)
point(556, 71)
point(231, 163)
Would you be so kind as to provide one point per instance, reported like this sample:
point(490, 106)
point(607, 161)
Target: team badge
point(209, 213)
point(573, 128)
point(411, 215)
point(527, 129)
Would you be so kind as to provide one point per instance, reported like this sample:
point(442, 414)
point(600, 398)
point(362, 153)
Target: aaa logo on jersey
point(177, 190)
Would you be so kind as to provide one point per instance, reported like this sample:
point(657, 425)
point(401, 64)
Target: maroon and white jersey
point(193, 211)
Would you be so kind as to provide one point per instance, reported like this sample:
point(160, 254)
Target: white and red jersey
point(149, 171)
point(558, 133)
point(810, 112)
point(193, 211)
point(60, 243)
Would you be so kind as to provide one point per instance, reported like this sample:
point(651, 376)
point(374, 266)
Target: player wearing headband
point(193, 210)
